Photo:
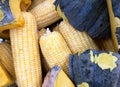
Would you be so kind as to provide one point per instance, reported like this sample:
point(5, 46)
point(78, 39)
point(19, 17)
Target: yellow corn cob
point(25, 49)
point(5, 79)
point(35, 3)
point(6, 58)
point(77, 41)
point(25, 4)
point(106, 44)
point(45, 13)
point(41, 32)
point(55, 50)
point(114, 22)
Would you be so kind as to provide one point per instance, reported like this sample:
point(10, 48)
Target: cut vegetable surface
point(77, 41)
point(85, 15)
point(25, 49)
point(95, 68)
point(55, 50)
point(5, 79)
point(10, 16)
point(57, 78)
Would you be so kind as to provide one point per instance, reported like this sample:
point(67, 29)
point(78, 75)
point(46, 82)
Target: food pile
point(59, 43)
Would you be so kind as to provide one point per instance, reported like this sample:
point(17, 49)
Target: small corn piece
point(55, 50)
point(77, 41)
point(41, 32)
point(5, 79)
point(106, 44)
point(25, 49)
point(45, 13)
point(35, 3)
point(25, 4)
point(6, 58)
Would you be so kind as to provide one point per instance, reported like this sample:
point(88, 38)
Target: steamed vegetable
point(95, 68)
point(25, 50)
point(10, 16)
point(57, 78)
point(86, 15)
point(77, 41)
point(54, 50)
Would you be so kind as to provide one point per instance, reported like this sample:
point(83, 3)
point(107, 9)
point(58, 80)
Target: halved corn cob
point(45, 13)
point(25, 4)
point(41, 32)
point(6, 58)
point(55, 50)
point(5, 79)
point(106, 44)
point(77, 41)
point(25, 49)
point(35, 3)
point(113, 8)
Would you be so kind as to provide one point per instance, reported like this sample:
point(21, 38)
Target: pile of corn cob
point(29, 49)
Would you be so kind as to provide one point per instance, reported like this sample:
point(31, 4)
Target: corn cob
point(113, 6)
point(106, 44)
point(41, 32)
point(55, 50)
point(45, 13)
point(25, 51)
point(6, 58)
point(77, 41)
point(25, 4)
point(35, 3)
point(5, 79)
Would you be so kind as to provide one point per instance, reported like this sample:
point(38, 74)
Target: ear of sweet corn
point(10, 16)
point(113, 8)
point(5, 79)
point(35, 3)
point(55, 50)
point(45, 13)
point(77, 41)
point(6, 58)
point(25, 4)
point(25, 49)
point(106, 44)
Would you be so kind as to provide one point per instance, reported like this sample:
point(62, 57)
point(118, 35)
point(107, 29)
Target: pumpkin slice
point(95, 68)
point(57, 78)
point(86, 15)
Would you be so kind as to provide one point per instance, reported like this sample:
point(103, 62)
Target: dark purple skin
point(81, 69)
point(51, 77)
